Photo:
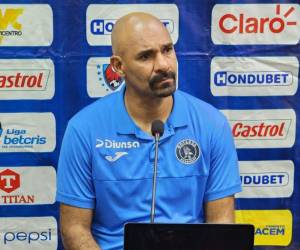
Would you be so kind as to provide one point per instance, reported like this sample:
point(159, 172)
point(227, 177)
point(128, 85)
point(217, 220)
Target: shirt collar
point(177, 118)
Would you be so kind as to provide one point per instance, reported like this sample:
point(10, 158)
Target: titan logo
point(9, 17)
point(9, 180)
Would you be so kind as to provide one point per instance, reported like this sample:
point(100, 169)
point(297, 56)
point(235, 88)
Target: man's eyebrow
point(149, 51)
point(170, 44)
point(146, 51)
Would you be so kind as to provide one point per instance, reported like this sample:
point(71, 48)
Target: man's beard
point(165, 89)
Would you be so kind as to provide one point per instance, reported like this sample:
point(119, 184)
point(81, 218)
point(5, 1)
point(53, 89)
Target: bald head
point(130, 28)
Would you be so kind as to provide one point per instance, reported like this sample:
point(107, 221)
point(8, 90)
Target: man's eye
point(144, 57)
point(168, 49)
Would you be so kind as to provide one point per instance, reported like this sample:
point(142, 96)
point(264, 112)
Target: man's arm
point(75, 226)
point(220, 211)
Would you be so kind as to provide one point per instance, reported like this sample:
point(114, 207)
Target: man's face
point(150, 63)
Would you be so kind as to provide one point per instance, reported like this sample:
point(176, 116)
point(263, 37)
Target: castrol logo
point(268, 128)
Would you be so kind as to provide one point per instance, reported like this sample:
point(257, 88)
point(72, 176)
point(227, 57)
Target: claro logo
point(243, 24)
point(262, 128)
point(255, 23)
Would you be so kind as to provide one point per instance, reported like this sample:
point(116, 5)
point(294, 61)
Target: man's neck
point(144, 110)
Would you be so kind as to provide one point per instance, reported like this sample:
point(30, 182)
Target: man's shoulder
point(96, 111)
point(198, 107)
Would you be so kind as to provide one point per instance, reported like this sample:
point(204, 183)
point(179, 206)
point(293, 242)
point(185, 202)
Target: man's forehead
point(139, 29)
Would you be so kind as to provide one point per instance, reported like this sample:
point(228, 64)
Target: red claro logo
point(256, 24)
point(9, 181)
point(244, 24)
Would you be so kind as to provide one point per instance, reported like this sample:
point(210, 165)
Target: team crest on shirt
point(187, 151)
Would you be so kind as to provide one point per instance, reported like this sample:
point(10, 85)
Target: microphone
point(157, 130)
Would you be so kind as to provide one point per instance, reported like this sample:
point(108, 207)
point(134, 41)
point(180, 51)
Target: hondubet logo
point(9, 25)
point(256, 24)
point(105, 26)
point(254, 76)
point(100, 20)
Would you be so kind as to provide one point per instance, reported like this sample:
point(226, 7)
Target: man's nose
point(161, 63)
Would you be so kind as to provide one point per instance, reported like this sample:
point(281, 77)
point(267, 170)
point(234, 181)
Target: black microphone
point(157, 130)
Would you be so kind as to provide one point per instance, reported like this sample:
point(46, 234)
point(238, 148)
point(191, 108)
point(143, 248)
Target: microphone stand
point(152, 214)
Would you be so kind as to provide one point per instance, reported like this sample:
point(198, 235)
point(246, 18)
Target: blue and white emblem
point(109, 77)
point(187, 151)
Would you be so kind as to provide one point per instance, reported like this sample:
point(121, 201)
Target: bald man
point(106, 162)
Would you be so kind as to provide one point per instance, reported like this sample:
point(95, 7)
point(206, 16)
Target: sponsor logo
point(187, 151)
point(28, 233)
point(105, 26)
point(116, 144)
point(101, 77)
point(254, 76)
point(262, 128)
point(9, 180)
point(272, 227)
point(117, 156)
point(17, 188)
point(19, 28)
point(26, 79)
point(100, 20)
point(256, 23)
point(8, 20)
point(266, 179)
point(223, 78)
point(23, 132)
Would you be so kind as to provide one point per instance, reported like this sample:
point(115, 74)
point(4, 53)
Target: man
point(106, 163)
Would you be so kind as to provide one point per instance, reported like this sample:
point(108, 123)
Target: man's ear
point(117, 64)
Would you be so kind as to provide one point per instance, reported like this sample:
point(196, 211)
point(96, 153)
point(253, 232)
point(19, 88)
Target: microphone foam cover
point(157, 127)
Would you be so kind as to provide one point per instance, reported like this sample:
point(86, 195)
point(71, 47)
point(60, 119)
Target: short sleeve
point(74, 177)
point(224, 177)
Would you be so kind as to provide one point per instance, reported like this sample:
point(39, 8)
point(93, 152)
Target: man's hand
point(75, 226)
point(220, 211)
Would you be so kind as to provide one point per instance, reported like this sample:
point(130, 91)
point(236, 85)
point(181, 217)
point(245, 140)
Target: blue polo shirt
point(106, 164)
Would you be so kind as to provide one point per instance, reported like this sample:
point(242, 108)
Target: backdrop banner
point(241, 56)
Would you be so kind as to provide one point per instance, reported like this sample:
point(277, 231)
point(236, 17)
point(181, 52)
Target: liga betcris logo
point(256, 24)
point(268, 128)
